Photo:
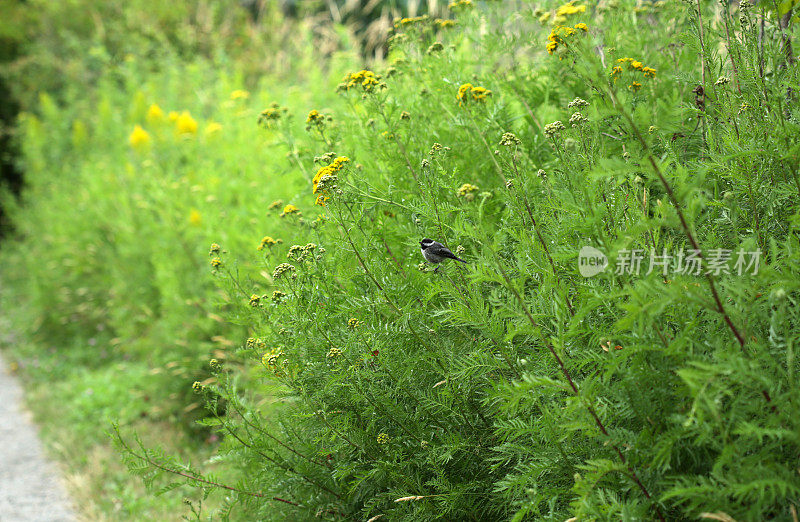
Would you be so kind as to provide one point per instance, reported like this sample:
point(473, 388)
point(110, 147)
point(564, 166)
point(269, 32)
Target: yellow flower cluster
point(315, 117)
point(444, 24)
point(405, 22)
point(383, 438)
point(268, 241)
point(460, 4)
point(270, 115)
point(186, 124)
point(271, 360)
point(466, 191)
point(560, 33)
point(367, 80)
point(329, 170)
point(290, 209)
point(139, 138)
point(570, 9)
point(239, 94)
point(155, 114)
point(468, 91)
point(634, 65)
point(353, 323)
point(561, 13)
point(334, 352)
point(255, 300)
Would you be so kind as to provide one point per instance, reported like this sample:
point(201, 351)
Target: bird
point(435, 252)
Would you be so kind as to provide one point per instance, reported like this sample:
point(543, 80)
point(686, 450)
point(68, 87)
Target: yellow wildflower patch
point(560, 33)
point(155, 114)
point(570, 8)
point(195, 218)
point(633, 65)
point(315, 117)
point(364, 78)
point(467, 92)
point(290, 209)
point(266, 241)
point(186, 124)
point(329, 170)
point(460, 4)
point(139, 137)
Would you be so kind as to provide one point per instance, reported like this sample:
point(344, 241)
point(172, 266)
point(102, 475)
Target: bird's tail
point(459, 259)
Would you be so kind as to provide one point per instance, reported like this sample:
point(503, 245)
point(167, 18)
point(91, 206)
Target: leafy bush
point(369, 385)
point(514, 387)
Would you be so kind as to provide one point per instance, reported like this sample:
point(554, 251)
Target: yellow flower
point(477, 93)
point(383, 438)
point(649, 72)
point(269, 115)
point(402, 22)
point(466, 191)
point(462, 92)
point(213, 128)
point(216, 263)
point(583, 27)
point(186, 124)
point(173, 116)
point(570, 9)
point(290, 209)
point(139, 137)
point(315, 117)
point(155, 114)
point(635, 86)
point(195, 218)
point(278, 203)
point(637, 65)
point(329, 170)
point(457, 4)
point(239, 94)
point(557, 36)
point(363, 78)
point(480, 93)
point(266, 241)
point(321, 201)
point(369, 83)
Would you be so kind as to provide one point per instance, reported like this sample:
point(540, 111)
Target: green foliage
point(511, 387)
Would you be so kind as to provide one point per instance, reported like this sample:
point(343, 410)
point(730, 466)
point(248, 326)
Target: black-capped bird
point(435, 252)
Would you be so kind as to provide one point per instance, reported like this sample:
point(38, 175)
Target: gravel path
point(30, 490)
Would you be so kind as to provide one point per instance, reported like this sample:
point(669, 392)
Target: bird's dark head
point(425, 243)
